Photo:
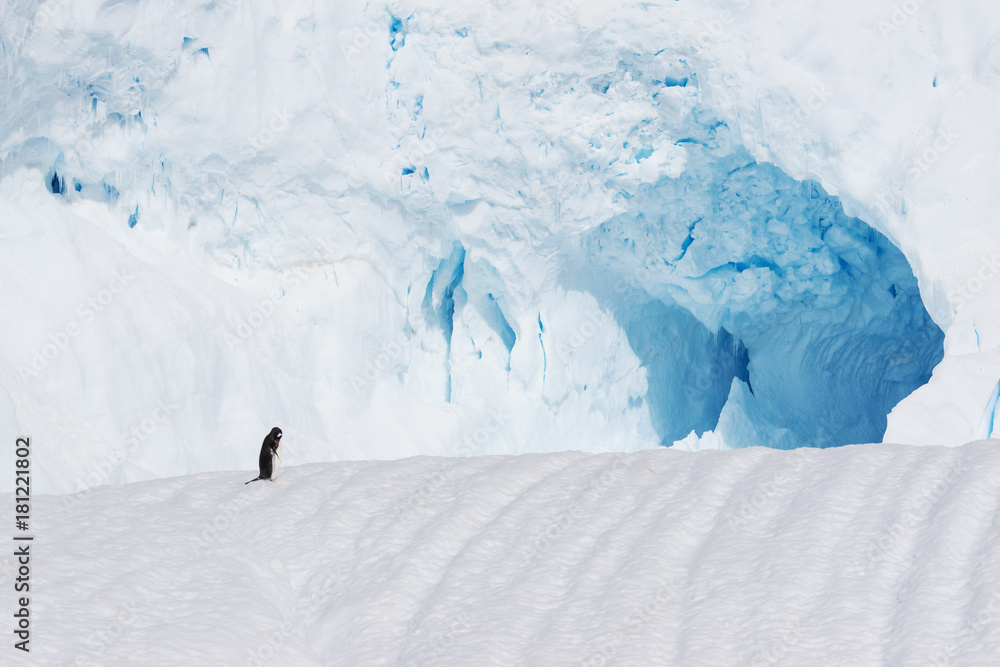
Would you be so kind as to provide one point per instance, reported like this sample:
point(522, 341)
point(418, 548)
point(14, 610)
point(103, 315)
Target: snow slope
point(867, 555)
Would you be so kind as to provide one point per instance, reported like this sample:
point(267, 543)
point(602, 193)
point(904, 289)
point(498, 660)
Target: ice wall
point(400, 228)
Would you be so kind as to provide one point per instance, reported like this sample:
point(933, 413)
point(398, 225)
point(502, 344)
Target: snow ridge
point(864, 555)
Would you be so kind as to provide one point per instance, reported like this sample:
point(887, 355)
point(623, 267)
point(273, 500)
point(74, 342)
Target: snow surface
point(504, 228)
point(862, 555)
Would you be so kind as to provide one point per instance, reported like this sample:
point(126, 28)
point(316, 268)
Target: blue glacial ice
point(586, 244)
point(759, 309)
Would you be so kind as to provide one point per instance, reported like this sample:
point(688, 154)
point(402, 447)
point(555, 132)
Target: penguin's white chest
point(276, 461)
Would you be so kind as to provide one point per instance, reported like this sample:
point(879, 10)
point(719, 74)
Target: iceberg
point(386, 225)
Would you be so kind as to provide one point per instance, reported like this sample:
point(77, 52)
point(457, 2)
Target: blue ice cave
point(759, 309)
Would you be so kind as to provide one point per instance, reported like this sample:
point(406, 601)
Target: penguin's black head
point(276, 433)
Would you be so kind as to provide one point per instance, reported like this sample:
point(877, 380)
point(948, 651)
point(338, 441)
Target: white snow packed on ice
point(862, 555)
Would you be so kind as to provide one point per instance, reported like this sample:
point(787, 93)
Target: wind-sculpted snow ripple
point(873, 555)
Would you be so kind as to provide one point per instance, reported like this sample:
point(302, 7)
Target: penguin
point(270, 455)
